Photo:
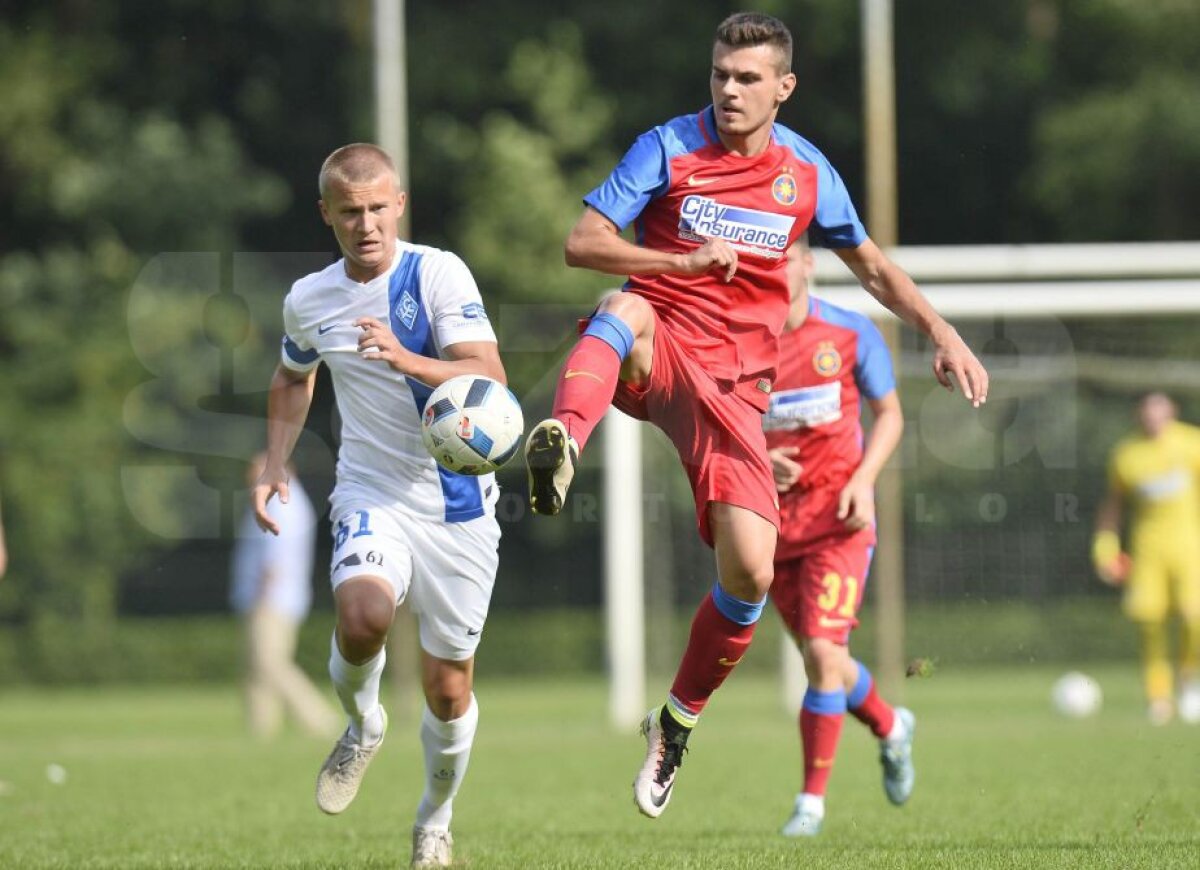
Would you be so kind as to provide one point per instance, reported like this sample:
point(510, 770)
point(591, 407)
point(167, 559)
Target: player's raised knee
point(630, 308)
point(748, 582)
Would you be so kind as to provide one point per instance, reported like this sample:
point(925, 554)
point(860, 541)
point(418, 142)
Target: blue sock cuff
point(859, 693)
point(825, 703)
point(734, 609)
point(611, 330)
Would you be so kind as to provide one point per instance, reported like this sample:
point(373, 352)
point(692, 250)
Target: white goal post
point(963, 283)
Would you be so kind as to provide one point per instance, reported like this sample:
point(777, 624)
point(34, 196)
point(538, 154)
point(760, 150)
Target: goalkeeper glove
point(1111, 564)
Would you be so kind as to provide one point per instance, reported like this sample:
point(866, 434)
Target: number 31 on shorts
point(840, 596)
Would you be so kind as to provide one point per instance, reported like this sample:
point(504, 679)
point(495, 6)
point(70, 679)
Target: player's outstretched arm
point(856, 502)
point(596, 243)
point(287, 408)
point(891, 285)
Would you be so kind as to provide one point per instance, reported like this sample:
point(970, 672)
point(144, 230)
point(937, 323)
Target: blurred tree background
point(135, 129)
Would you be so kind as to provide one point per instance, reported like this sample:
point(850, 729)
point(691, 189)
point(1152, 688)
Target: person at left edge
point(391, 320)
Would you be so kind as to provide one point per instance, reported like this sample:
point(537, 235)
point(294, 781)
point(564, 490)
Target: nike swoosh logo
point(659, 800)
point(574, 373)
point(724, 662)
point(474, 631)
point(822, 762)
point(826, 622)
point(693, 181)
point(321, 330)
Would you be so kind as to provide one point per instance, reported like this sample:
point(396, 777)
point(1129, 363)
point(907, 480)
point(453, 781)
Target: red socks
point(585, 387)
point(867, 707)
point(821, 719)
point(875, 713)
point(717, 643)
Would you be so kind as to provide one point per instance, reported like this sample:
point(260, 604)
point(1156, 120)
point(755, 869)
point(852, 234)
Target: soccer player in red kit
point(691, 343)
point(829, 360)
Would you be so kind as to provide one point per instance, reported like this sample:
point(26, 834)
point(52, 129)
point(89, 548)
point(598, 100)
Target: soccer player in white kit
point(392, 321)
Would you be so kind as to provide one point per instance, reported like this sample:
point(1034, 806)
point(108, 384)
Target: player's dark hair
point(358, 163)
point(744, 29)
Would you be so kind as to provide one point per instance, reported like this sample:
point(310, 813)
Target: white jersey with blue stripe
point(431, 301)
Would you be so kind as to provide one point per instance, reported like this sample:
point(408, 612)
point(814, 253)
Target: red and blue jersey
point(825, 365)
point(680, 186)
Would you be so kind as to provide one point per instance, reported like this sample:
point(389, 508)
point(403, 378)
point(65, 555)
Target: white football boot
point(896, 758)
point(808, 813)
point(432, 847)
point(653, 784)
point(343, 771)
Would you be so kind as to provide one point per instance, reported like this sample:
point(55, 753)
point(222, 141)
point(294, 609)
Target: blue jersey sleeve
point(873, 372)
point(642, 175)
point(835, 221)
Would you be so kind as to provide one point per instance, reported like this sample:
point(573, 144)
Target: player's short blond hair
point(358, 163)
point(747, 29)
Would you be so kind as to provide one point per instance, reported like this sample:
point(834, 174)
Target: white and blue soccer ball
point(1076, 695)
point(472, 424)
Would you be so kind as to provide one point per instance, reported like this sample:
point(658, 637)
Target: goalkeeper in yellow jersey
point(1156, 473)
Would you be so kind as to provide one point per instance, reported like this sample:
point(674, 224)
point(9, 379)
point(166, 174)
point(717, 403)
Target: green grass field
point(163, 778)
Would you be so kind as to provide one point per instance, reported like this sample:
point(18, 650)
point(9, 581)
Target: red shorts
point(818, 594)
point(717, 432)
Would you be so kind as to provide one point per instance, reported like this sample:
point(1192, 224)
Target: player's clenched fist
point(715, 254)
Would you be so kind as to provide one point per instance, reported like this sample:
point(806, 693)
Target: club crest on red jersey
point(826, 359)
point(783, 188)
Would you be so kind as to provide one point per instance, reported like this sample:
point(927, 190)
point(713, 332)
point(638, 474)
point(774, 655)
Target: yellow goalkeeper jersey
point(1159, 479)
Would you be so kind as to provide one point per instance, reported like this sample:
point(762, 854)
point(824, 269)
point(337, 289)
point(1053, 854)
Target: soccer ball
point(1076, 695)
point(472, 424)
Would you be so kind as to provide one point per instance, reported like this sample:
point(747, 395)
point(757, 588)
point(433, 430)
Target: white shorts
point(446, 570)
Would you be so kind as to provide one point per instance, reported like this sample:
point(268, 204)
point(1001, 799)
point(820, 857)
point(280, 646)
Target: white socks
point(812, 803)
point(357, 687)
point(447, 745)
point(447, 750)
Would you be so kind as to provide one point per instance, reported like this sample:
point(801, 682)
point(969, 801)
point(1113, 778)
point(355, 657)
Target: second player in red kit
point(831, 360)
